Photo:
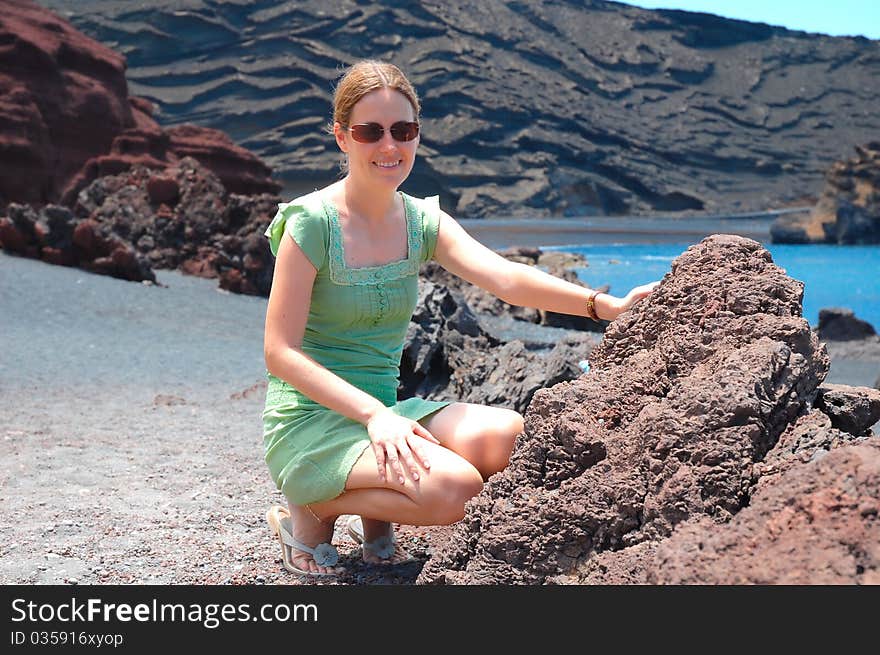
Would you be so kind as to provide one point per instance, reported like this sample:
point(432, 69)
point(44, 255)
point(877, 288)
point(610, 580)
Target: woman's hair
point(366, 76)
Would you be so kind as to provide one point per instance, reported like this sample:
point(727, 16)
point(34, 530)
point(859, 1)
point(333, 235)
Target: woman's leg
point(436, 498)
point(476, 442)
point(483, 435)
point(308, 529)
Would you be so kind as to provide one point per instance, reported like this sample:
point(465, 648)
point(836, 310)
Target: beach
point(131, 438)
point(131, 435)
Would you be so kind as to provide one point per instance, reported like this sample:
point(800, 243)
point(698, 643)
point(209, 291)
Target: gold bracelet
point(591, 306)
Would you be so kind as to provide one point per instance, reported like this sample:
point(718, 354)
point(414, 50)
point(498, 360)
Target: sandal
point(384, 547)
point(324, 554)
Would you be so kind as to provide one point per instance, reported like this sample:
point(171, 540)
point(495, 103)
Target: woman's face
point(387, 162)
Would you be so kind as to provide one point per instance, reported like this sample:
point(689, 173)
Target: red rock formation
point(818, 524)
point(66, 117)
point(239, 170)
point(127, 224)
point(694, 399)
point(63, 99)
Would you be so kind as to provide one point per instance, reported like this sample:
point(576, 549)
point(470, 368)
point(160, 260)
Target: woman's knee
point(512, 424)
point(445, 497)
point(509, 426)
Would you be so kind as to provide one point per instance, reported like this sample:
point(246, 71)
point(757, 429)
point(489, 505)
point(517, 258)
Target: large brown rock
point(66, 118)
point(687, 393)
point(803, 443)
point(819, 524)
point(848, 210)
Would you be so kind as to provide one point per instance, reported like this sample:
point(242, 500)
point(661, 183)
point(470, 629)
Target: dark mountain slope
point(530, 108)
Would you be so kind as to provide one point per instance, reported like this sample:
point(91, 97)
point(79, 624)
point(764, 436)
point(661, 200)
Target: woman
point(345, 286)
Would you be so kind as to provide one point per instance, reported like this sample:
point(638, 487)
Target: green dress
point(358, 318)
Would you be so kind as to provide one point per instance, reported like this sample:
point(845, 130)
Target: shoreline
point(101, 333)
point(603, 230)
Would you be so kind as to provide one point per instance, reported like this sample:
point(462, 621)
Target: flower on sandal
point(383, 547)
point(326, 555)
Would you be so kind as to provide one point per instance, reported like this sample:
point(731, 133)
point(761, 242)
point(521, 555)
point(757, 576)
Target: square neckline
point(336, 235)
point(341, 273)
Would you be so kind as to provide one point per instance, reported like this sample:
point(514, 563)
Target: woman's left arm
point(520, 284)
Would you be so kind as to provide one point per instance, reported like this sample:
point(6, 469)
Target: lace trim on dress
point(340, 273)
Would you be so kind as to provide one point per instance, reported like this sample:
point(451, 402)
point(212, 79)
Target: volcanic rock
point(128, 224)
point(687, 393)
point(818, 524)
point(56, 236)
point(448, 356)
point(841, 324)
point(185, 219)
point(66, 118)
point(851, 409)
point(848, 210)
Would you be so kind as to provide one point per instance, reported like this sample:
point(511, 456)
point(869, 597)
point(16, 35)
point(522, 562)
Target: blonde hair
point(367, 76)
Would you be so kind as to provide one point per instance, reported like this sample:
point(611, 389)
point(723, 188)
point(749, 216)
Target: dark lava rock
point(126, 225)
point(851, 409)
point(848, 210)
point(56, 236)
point(687, 393)
point(840, 324)
point(448, 356)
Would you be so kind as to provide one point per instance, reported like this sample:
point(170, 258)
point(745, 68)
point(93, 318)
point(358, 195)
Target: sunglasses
point(372, 132)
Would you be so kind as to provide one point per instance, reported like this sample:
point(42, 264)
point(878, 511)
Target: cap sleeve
point(306, 225)
point(430, 207)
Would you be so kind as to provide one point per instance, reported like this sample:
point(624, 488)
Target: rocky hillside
point(530, 108)
point(67, 119)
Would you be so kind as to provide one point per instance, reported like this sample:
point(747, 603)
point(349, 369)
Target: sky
point(837, 18)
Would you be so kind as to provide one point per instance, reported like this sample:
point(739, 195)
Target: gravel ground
point(130, 438)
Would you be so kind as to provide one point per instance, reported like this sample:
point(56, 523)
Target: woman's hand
point(635, 295)
point(398, 438)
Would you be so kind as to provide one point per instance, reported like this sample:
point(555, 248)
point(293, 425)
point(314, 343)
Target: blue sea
point(833, 276)
point(627, 252)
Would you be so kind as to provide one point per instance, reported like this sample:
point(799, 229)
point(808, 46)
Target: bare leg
point(483, 435)
point(436, 498)
point(476, 442)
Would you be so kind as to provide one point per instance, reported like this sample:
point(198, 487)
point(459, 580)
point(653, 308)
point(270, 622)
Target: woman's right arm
point(286, 317)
